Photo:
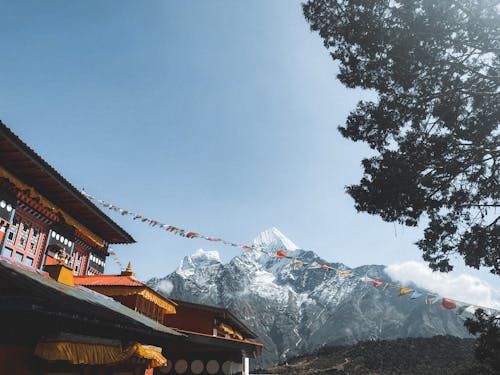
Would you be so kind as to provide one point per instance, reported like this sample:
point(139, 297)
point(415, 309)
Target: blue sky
point(218, 117)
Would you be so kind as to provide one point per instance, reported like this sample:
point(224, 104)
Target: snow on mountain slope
point(297, 310)
point(200, 258)
point(273, 239)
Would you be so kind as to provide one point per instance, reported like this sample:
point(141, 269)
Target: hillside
point(444, 355)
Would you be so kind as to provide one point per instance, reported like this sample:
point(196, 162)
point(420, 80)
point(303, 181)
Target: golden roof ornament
point(128, 271)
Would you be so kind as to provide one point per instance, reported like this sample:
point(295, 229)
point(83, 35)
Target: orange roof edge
point(90, 281)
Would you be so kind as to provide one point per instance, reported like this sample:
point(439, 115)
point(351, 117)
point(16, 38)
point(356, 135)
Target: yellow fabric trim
point(168, 307)
point(226, 328)
point(230, 331)
point(51, 206)
point(238, 335)
point(79, 353)
point(153, 354)
point(129, 291)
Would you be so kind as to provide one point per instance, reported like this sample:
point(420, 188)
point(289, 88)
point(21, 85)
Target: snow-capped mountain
point(296, 310)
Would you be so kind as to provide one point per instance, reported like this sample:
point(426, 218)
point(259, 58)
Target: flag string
point(169, 228)
point(431, 298)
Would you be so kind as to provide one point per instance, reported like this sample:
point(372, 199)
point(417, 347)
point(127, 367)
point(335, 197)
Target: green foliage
point(435, 130)
point(435, 127)
point(488, 326)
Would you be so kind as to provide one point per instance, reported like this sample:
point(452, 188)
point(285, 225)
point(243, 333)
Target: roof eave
point(29, 153)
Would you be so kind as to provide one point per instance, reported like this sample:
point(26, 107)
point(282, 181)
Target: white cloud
point(165, 286)
point(459, 286)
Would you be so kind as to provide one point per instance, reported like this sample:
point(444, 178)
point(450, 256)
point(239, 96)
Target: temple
point(44, 219)
point(62, 315)
point(217, 342)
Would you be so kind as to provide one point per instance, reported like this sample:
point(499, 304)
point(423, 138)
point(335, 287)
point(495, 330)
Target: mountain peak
point(272, 238)
point(200, 258)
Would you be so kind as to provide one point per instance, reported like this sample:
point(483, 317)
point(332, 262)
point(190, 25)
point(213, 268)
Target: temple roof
point(24, 163)
point(76, 300)
point(125, 284)
point(108, 280)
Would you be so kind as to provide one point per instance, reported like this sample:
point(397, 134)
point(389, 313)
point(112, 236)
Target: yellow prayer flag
point(403, 291)
point(345, 273)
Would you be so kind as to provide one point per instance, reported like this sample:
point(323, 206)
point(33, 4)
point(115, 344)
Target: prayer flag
point(281, 253)
point(448, 304)
point(377, 283)
point(430, 299)
point(415, 294)
point(366, 279)
point(345, 273)
point(403, 291)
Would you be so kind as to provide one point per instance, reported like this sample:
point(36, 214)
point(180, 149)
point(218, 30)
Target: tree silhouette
point(434, 127)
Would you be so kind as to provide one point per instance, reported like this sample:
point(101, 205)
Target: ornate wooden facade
point(44, 219)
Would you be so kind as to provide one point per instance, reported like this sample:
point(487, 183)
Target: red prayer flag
point(377, 283)
point(324, 267)
point(448, 304)
point(281, 253)
point(246, 247)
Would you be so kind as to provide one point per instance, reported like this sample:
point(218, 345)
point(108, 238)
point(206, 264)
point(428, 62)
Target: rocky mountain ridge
point(297, 310)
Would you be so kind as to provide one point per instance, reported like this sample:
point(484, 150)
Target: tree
point(488, 326)
point(434, 128)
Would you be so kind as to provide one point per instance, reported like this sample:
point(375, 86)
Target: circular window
point(65, 241)
point(3, 204)
point(166, 369)
point(57, 237)
point(226, 368)
point(213, 367)
point(181, 366)
point(9, 208)
point(197, 366)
